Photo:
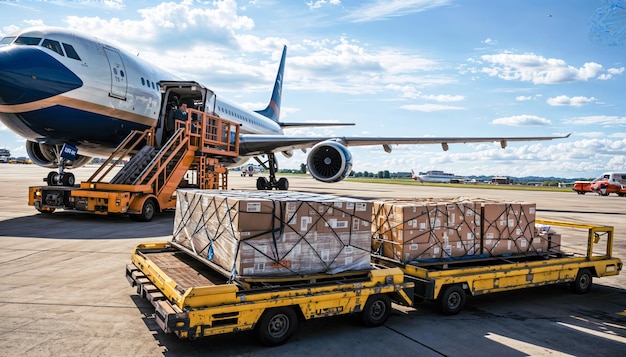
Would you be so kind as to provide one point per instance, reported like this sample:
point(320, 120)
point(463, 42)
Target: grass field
point(460, 185)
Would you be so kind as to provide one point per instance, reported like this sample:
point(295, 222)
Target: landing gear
point(60, 179)
point(263, 183)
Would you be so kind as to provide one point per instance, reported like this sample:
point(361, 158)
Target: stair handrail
point(119, 150)
point(182, 143)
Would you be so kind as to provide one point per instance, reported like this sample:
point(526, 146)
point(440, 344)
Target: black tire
point(147, 212)
point(276, 326)
point(376, 311)
point(50, 178)
point(68, 179)
point(283, 184)
point(452, 299)
point(583, 282)
point(262, 184)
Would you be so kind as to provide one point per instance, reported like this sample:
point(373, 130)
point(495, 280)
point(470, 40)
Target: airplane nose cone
point(15, 77)
point(27, 74)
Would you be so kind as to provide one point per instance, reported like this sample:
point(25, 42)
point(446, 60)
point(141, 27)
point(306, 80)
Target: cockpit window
point(27, 40)
point(71, 53)
point(53, 45)
point(7, 40)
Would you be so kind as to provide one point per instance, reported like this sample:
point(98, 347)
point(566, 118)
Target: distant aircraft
point(415, 177)
point(251, 170)
point(437, 176)
point(60, 87)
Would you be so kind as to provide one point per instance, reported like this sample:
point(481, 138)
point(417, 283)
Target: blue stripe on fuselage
point(28, 74)
point(58, 123)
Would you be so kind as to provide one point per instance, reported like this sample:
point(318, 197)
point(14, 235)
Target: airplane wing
point(252, 144)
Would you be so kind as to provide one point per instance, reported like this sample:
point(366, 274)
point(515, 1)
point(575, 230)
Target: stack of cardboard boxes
point(418, 229)
point(274, 233)
point(424, 229)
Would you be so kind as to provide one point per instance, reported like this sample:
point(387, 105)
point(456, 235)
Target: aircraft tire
point(262, 184)
point(50, 178)
point(68, 179)
point(283, 184)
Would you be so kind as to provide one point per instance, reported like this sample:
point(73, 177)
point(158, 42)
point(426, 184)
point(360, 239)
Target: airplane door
point(119, 79)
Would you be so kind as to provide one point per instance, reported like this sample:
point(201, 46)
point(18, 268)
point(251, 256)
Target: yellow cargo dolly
point(146, 184)
point(193, 300)
point(448, 282)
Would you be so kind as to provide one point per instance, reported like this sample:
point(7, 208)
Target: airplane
point(251, 170)
point(436, 176)
point(60, 87)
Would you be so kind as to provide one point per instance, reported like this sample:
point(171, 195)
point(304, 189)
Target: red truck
point(607, 183)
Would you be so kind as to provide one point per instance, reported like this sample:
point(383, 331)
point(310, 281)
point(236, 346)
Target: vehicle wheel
point(277, 325)
point(452, 300)
point(283, 184)
point(262, 184)
point(147, 212)
point(583, 282)
point(50, 178)
point(68, 179)
point(376, 311)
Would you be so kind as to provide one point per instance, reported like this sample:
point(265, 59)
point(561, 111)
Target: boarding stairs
point(198, 147)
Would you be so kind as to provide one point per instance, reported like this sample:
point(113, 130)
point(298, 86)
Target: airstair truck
point(146, 184)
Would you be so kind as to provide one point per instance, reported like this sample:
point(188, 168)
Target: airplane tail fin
point(272, 110)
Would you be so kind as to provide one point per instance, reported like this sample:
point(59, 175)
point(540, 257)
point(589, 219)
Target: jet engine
point(46, 155)
point(329, 161)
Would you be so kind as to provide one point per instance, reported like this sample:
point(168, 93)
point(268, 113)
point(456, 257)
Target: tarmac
point(64, 292)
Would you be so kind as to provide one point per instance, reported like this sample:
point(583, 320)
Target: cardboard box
point(458, 227)
point(426, 229)
point(274, 233)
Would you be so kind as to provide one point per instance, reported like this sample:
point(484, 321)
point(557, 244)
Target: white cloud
point(382, 9)
point(530, 67)
point(521, 120)
point(319, 3)
point(563, 100)
point(429, 107)
point(444, 98)
point(178, 24)
point(603, 120)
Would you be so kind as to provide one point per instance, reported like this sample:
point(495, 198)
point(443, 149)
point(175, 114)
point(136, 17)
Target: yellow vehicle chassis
point(508, 273)
point(192, 300)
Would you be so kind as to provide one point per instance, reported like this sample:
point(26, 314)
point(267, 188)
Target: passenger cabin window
point(53, 45)
point(70, 52)
point(27, 40)
point(7, 40)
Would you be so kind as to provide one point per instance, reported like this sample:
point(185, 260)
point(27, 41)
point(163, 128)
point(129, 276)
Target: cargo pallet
point(192, 299)
point(147, 183)
point(448, 281)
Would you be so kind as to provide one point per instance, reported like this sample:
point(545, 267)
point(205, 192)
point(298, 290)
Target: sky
point(418, 68)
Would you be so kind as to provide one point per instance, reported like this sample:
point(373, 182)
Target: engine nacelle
point(329, 161)
point(46, 155)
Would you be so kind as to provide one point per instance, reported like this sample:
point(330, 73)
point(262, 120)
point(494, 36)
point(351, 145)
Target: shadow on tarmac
point(80, 225)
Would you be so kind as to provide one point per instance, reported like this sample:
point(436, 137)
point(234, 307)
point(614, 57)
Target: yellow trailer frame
point(449, 283)
point(273, 308)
